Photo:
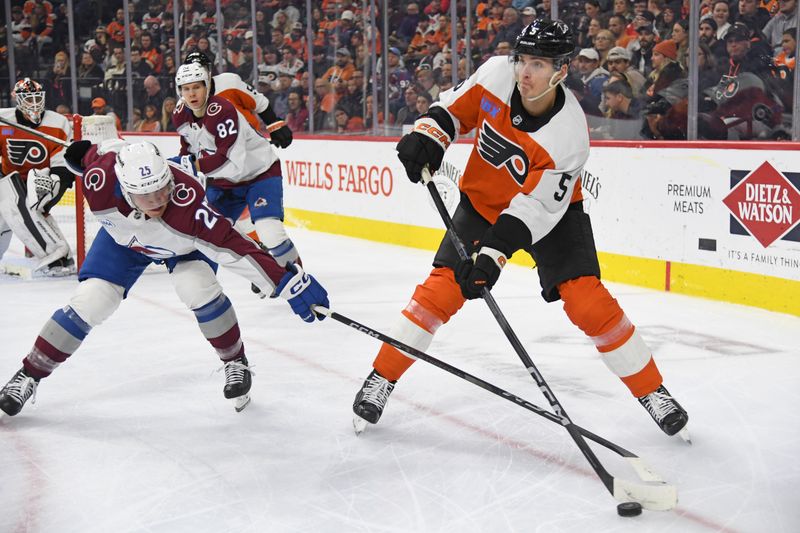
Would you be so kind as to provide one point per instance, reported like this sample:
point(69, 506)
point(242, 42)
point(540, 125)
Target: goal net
point(72, 213)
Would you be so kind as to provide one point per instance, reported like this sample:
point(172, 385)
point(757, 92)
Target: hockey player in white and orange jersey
point(520, 191)
point(33, 179)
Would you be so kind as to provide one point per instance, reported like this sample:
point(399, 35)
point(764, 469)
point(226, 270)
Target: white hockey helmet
point(29, 96)
point(141, 169)
point(191, 73)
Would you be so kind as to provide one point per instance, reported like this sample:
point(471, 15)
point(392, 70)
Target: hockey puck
point(629, 509)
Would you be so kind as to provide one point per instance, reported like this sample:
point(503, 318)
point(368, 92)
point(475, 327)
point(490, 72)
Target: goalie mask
point(191, 73)
point(29, 96)
point(144, 177)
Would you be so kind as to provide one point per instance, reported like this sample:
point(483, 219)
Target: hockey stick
point(34, 131)
point(653, 493)
point(608, 480)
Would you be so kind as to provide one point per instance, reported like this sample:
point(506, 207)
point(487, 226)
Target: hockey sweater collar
point(523, 121)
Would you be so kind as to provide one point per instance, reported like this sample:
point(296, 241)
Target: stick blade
point(653, 496)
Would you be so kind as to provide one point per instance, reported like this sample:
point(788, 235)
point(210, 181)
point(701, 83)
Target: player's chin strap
point(551, 85)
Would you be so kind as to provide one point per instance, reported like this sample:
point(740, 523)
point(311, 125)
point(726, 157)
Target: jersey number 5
point(562, 187)
point(226, 128)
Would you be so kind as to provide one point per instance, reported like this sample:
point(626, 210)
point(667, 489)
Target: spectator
point(289, 61)
point(116, 28)
point(708, 35)
point(622, 9)
point(150, 53)
point(620, 103)
point(368, 114)
point(89, 71)
point(591, 34)
point(503, 49)
point(409, 24)
point(593, 77)
point(99, 48)
point(603, 43)
point(99, 107)
point(721, 13)
point(617, 25)
point(527, 15)
point(139, 67)
point(342, 70)
point(325, 100)
point(680, 35)
point(297, 117)
point(510, 27)
point(152, 21)
point(353, 99)
point(425, 80)
point(151, 121)
point(666, 22)
point(424, 102)
point(63, 109)
point(166, 31)
point(642, 58)
point(619, 60)
point(345, 123)
point(708, 76)
point(169, 69)
point(41, 26)
point(280, 98)
point(117, 67)
point(59, 90)
point(153, 93)
point(167, 107)
point(775, 29)
point(408, 114)
point(788, 48)
point(743, 56)
point(752, 14)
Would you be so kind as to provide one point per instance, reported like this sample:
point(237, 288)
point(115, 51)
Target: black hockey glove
point(279, 133)
point(425, 145)
point(73, 155)
point(500, 241)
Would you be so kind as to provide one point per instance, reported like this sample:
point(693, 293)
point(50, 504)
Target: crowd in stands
point(629, 71)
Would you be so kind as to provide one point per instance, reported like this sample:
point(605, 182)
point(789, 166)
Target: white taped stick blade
point(653, 496)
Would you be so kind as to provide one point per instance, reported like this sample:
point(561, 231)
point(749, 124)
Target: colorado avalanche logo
point(95, 179)
point(178, 108)
point(21, 151)
point(499, 151)
point(183, 195)
point(261, 202)
point(213, 109)
point(154, 252)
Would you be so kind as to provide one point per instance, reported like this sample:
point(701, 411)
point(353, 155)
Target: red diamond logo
point(766, 203)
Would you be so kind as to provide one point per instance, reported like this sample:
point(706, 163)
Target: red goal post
point(94, 128)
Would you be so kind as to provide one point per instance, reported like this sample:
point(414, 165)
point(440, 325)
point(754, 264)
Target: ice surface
point(133, 433)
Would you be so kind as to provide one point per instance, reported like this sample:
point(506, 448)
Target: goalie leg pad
point(5, 236)
point(29, 225)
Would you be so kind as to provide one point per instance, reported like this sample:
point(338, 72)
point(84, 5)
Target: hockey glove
point(188, 163)
point(74, 154)
point(473, 275)
point(425, 145)
point(279, 134)
point(500, 241)
point(42, 188)
point(302, 291)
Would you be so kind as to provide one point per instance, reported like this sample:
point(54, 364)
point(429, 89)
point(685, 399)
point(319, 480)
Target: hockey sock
point(591, 307)
point(61, 335)
point(217, 321)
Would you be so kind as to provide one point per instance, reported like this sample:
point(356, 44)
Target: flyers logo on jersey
point(499, 151)
point(21, 151)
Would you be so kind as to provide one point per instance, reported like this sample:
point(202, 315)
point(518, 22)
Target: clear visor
point(152, 201)
point(31, 103)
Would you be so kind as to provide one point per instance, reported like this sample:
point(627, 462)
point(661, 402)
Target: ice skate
point(667, 413)
point(370, 401)
point(17, 391)
point(238, 378)
point(60, 268)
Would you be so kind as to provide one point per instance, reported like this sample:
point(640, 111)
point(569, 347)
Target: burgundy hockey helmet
point(546, 38)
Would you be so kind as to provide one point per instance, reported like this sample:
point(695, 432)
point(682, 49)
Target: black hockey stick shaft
point(605, 477)
point(34, 131)
point(466, 376)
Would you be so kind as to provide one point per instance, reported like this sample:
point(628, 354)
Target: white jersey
point(524, 166)
point(248, 101)
point(226, 146)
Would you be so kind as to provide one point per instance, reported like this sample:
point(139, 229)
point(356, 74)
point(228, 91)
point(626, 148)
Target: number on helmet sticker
point(226, 128)
point(145, 171)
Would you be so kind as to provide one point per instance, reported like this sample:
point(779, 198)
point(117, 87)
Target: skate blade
point(359, 425)
point(241, 402)
point(684, 434)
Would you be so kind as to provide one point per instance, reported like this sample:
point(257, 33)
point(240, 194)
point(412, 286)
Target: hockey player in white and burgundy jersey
point(153, 212)
point(520, 191)
point(33, 179)
point(243, 169)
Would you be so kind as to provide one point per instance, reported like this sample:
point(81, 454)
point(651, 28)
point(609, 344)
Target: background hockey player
point(152, 212)
point(243, 169)
point(34, 178)
point(520, 191)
